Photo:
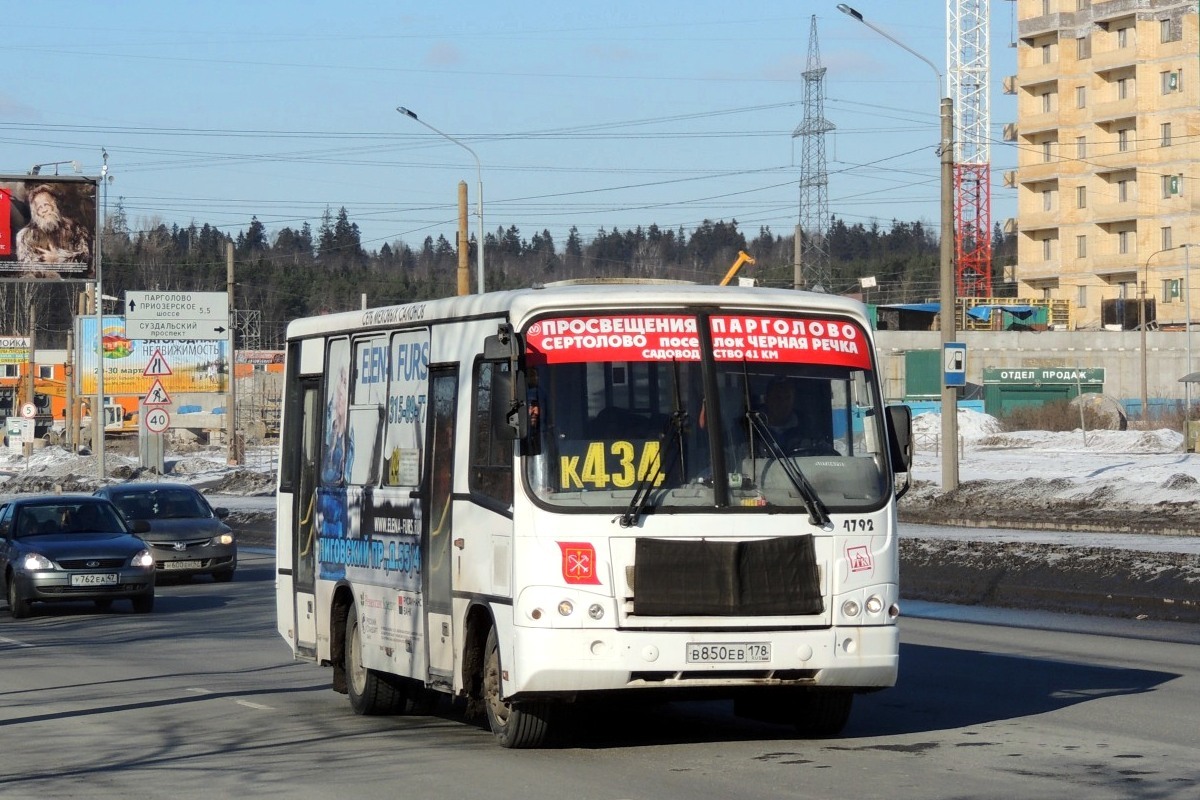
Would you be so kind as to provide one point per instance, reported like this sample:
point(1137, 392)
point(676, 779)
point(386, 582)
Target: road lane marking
point(258, 706)
point(15, 642)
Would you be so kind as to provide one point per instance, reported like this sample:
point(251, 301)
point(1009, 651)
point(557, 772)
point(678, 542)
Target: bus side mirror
point(505, 345)
point(510, 412)
point(899, 431)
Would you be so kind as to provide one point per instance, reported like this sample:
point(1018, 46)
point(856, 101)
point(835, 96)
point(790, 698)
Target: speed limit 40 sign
point(157, 420)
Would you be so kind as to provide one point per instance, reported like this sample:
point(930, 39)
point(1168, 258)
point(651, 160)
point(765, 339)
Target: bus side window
point(491, 471)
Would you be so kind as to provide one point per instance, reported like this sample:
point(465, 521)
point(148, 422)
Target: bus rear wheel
point(371, 693)
point(515, 725)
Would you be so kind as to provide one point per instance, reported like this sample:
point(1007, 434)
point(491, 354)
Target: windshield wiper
point(817, 513)
point(675, 425)
point(669, 437)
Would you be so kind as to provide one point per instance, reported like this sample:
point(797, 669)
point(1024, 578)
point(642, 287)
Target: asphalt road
point(201, 699)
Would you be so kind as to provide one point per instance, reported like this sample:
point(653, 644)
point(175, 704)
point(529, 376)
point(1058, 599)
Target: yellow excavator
point(742, 258)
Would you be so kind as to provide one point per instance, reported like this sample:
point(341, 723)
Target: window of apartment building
point(1164, 131)
point(1124, 242)
point(1047, 249)
point(1047, 54)
point(1170, 290)
point(1123, 37)
point(1081, 296)
point(1083, 47)
point(1047, 200)
point(1047, 106)
point(1080, 5)
point(45, 371)
point(1170, 81)
point(1081, 97)
point(1123, 139)
point(1165, 238)
point(1123, 191)
point(1081, 147)
point(1124, 88)
point(1167, 31)
point(1045, 7)
point(1171, 185)
point(1081, 247)
point(1081, 197)
point(1046, 151)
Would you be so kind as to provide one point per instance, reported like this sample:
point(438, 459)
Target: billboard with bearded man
point(47, 227)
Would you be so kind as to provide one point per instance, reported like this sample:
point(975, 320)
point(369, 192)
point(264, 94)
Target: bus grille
point(767, 577)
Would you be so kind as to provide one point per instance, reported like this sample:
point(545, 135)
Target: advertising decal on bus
point(388, 373)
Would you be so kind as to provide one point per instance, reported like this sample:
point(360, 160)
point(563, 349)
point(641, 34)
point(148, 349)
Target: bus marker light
point(535, 614)
point(565, 608)
point(596, 611)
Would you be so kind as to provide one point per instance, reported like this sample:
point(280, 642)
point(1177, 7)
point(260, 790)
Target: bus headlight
point(874, 604)
point(850, 608)
point(565, 608)
point(596, 611)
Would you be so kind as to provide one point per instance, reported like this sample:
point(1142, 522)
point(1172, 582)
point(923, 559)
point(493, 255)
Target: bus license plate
point(728, 652)
point(97, 579)
point(181, 565)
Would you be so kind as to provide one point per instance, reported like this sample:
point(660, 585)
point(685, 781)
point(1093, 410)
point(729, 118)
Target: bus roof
point(517, 305)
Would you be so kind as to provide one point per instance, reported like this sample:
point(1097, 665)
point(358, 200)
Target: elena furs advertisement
point(47, 227)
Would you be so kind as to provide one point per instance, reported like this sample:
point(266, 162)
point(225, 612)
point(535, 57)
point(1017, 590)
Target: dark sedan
point(186, 536)
point(61, 548)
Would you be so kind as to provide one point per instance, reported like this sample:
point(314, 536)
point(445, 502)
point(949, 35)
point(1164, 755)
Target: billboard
point(133, 366)
point(47, 227)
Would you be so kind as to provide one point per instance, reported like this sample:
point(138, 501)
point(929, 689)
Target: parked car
point(186, 535)
point(60, 548)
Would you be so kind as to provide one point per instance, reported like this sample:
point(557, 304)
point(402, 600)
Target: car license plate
point(94, 579)
point(181, 565)
point(728, 652)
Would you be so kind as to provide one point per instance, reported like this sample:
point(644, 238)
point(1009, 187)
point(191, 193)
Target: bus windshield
point(738, 412)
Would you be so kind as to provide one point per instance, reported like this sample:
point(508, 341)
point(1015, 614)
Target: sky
point(603, 115)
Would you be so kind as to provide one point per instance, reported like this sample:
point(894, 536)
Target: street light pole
point(947, 301)
point(1142, 323)
point(479, 194)
point(1187, 386)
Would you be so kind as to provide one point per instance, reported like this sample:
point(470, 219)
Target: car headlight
point(224, 538)
point(35, 561)
point(143, 559)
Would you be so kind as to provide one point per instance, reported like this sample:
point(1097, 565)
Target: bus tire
point(820, 714)
point(371, 693)
point(515, 725)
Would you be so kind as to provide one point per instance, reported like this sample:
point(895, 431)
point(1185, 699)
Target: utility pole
point(235, 450)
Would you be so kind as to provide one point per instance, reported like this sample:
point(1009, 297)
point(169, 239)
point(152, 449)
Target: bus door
point(438, 532)
point(304, 523)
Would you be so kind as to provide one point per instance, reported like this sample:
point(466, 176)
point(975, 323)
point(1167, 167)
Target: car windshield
point(787, 418)
point(67, 517)
point(161, 504)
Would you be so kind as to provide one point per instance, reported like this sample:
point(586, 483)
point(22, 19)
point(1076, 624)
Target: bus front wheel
point(515, 725)
point(822, 713)
point(371, 693)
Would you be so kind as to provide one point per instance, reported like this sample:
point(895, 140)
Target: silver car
point(187, 536)
point(59, 548)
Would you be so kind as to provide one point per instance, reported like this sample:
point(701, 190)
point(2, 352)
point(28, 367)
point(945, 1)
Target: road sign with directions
point(198, 306)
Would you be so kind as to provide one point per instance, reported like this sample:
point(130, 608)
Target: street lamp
point(1187, 300)
point(479, 177)
point(36, 169)
point(946, 288)
point(1142, 323)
